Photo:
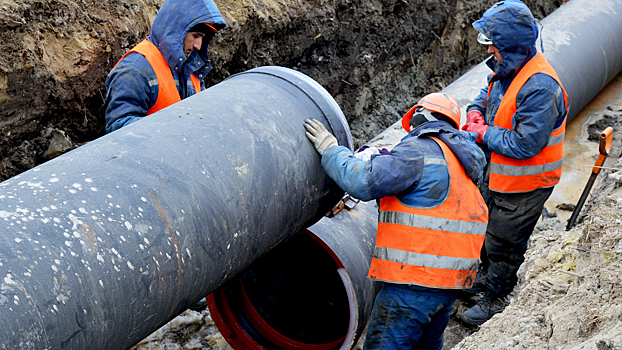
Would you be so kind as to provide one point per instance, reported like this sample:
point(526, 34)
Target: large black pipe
point(103, 245)
point(582, 40)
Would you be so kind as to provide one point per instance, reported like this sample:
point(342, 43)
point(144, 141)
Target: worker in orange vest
point(168, 66)
point(431, 221)
point(519, 120)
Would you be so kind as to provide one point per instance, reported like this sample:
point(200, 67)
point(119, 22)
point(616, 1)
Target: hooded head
point(512, 29)
point(175, 19)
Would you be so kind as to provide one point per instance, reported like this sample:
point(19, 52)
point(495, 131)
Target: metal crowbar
point(604, 146)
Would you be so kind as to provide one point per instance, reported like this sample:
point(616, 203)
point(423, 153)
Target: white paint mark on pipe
point(62, 298)
point(6, 214)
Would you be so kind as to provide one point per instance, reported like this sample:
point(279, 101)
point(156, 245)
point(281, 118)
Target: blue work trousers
point(409, 317)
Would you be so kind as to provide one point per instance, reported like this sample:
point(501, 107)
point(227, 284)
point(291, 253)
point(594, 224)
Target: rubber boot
point(483, 311)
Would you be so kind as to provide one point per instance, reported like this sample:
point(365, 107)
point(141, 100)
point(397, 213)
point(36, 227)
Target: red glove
point(480, 129)
point(475, 117)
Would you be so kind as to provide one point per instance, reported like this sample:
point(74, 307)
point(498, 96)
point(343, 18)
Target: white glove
point(321, 138)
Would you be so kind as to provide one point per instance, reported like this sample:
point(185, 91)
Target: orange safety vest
point(435, 247)
point(545, 168)
point(167, 90)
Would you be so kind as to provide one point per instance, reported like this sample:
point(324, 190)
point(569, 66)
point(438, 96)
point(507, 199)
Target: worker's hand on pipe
point(479, 129)
point(475, 117)
point(321, 138)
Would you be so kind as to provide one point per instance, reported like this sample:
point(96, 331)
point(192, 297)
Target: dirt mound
point(572, 292)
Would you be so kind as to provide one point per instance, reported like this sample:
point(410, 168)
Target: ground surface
point(376, 58)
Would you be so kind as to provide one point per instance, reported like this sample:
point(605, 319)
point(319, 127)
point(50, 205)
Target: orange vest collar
point(167, 90)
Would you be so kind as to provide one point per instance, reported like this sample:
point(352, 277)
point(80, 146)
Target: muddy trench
point(376, 58)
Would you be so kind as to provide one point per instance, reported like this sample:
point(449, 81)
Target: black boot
point(483, 311)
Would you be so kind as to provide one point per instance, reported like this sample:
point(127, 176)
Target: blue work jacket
point(404, 172)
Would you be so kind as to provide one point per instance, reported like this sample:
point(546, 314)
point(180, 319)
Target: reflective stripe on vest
point(436, 247)
point(167, 90)
point(544, 169)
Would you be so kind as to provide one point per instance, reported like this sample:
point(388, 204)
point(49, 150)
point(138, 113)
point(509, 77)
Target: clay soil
point(376, 58)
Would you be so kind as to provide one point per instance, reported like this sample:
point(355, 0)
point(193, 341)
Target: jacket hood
point(513, 30)
point(460, 143)
point(174, 20)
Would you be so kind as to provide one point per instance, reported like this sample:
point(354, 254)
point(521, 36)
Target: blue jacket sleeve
point(381, 176)
point(129, 91)
point(540, 110)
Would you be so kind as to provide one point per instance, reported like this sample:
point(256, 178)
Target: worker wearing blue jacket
point(519, 119)
point(431, 221)
point(168, 66)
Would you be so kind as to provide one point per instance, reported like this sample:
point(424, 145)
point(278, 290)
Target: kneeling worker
point(431, 222)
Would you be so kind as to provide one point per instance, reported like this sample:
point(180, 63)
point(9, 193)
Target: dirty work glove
point(480, 129)
point(321, 138)
point(475, 117)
